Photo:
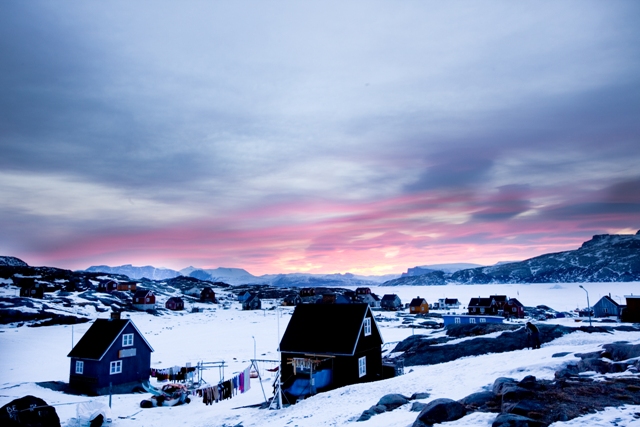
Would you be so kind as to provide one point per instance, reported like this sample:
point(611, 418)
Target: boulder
point(513, 420)
point(478, 400)
point(393, 401)
point(28, 411)
point(500, 383)
point(417, 396)
point(513, 393)
point(439, 411)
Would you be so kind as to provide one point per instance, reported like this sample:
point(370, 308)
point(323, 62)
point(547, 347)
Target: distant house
point(326, 346)
point(391, 302)
point(500, 300)
point(144, 300)
point(208, 295)
point(243, 296)
point(418, 305)
point(487, 306)
point(465, 319)
point(631, 313)
point(363, 291)
point(32, 289)
point(333, 298)
point(307, 292)
point(126, 286)
point(107, 286)
point(372, 300)
point(607, 307)
point(513, 308)
point(175, 304)
point(291, 300)
point(252, 303)
point(447, 304)
point(112, 354)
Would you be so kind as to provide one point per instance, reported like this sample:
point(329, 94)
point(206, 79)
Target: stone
point(513, 420)
point(500, 383)
point(512, 393)
point(417, 406)
point(416, 396)
point(529, 382)
point(439, 411)
point(393, 401)
point(478, 399)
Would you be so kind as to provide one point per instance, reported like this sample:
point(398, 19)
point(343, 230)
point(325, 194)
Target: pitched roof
point(608, 298)
point(480, 302)
point(100, 337)
point(142, 293)
point(390, 297)
point(451, 300)
point(417, 302)
point(325, 329)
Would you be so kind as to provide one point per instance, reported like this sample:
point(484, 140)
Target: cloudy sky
point(361, 136)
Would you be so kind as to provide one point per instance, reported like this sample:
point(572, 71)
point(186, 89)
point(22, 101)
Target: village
point(347, 347)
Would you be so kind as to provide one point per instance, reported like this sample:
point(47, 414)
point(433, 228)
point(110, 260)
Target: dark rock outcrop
point(439, 411)
point(28, 411)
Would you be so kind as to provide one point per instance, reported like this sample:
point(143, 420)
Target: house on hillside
point(252, 303)
point(513, 308)
point(144, 300)
point(326, 346)
point(31, 289)
point(418, 306)
point(243, 296)
point(107, 286)
point(126, 286)
point(487, 306)
point(391, 302)
point(363, 291)
point(333, 298)
point(631, 313)
point(208, 295)
point(291, 300)
point(174, 304)
point(607, 307)
point(111, 356)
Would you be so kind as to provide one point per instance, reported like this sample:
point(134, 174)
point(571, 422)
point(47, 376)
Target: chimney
point(115, 315)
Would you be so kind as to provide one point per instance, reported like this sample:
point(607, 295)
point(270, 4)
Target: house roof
point(499, 298)
point(176, 299)
point(514, 301)
point(100, 337)
point(332, 329)
point(451, 300)
point(417, 302)
point(389, 297)
point(480, 302)
point(141, 293)
point(608, 298)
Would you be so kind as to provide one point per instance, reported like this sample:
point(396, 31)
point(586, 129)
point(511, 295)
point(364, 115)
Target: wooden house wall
point(96, 375)
point(604, 308)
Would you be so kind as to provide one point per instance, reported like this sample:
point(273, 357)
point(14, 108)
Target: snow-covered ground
point(30, 355)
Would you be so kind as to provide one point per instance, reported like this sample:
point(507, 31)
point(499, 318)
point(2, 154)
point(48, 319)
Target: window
point(127, 340)
point(513, 309)
point(115, 367)
point(79, 367)
point(482, 310)
point(457, 320)
point(472, 320)
point(362, 366)
point(367, 326)
point(483, 320)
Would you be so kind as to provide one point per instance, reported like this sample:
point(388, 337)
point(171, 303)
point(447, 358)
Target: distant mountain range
point(604, 258)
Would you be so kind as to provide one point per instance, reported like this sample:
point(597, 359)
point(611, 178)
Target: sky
point(321, 137)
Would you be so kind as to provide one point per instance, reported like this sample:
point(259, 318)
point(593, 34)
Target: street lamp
point(588, 305)
point(254, 347)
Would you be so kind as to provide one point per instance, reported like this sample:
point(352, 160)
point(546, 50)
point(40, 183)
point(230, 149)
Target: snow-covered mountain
point(604, 258)
point(11, 261)
point(136, 273)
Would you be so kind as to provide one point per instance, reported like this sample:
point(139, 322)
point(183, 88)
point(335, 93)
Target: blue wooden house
point(607, 307)
point(465, 319)
point(112, 354)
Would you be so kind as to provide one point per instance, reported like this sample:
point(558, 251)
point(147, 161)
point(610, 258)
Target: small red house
point(175, 304)
point(363, 291)
point(144, 300)
point(513, 308)
point(126, 286)
point(208, 295)
point(107, 286)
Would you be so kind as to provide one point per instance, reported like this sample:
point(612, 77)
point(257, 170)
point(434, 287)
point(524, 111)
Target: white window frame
point(127, 340)
point(483, 320)
point(458, 320)
point(472, 320)
point(79, 367)
point(115, 367)
point(362, 366)
point(367, 326)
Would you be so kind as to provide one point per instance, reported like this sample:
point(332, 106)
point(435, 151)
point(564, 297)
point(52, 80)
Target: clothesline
point(240, 383)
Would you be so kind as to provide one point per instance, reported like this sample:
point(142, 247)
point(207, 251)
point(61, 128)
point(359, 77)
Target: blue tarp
point(301, 386)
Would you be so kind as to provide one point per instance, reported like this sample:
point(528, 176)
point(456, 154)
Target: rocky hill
point(604, 258)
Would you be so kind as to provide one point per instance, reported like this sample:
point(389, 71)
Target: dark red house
point(175, 304)
point(483, 306)
point(513, 308)
point(144, 300)
point(107, 286)
point(208, 295)
point(112, 354)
